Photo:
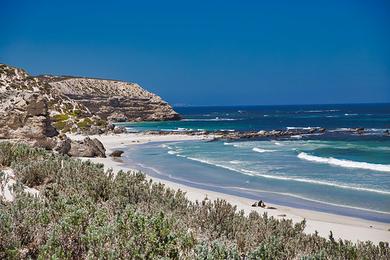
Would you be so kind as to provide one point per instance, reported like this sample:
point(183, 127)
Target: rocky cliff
point(115, 100)
point(42, 106)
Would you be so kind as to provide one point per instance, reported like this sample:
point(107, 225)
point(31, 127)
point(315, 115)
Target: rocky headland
point(40, 110)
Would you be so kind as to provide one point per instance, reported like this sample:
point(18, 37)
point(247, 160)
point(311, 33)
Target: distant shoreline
point(342, 227)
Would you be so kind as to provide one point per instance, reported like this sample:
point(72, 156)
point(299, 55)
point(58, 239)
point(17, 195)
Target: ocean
point(339, 172)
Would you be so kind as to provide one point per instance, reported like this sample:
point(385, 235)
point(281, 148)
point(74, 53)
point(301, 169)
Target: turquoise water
point(339, 172)
point(374, 117)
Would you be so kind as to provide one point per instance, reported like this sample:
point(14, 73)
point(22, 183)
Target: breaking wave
point(259, 150)
point(345, 163)
point(286, 178)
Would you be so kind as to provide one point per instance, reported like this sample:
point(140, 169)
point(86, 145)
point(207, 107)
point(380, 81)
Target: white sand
point(343, 227)
point(6, 185)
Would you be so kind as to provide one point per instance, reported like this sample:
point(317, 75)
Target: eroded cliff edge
point(71, 104)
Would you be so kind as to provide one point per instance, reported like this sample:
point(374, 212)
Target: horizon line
point(295, 104)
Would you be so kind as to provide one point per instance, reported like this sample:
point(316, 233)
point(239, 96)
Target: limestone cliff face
point(23, 107)
point(115, 100)
point(31, 106)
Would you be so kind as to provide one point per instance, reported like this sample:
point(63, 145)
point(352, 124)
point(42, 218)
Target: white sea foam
point(341, 129)
point(260, 150)
point(302, 127)
point(208, 119)
point(232, 144)
point(281, 193)
point(172, 152)
point(296, 136)
point(179, 129)
point(326, 183)
point(321, 111)
point(285, 178)
point(235, 162)
point(345, 163)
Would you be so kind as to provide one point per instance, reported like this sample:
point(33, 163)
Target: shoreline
point(344, 227)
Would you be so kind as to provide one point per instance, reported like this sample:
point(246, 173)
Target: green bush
point(84, 212)
point(60, 117)
point(85, 123)
point(76, 113)
point(60, 125)
point(10, 152)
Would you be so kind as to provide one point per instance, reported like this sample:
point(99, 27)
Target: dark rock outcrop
point(239, 135)
point(63, 145)
point(87, 148)
point(119, 130)
point(116, 153)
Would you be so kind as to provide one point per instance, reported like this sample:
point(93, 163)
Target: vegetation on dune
point(85, 212)
point(60, 117)
point(85, 123)
point(74, 120)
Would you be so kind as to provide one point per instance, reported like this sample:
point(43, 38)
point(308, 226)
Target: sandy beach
point(343, 227)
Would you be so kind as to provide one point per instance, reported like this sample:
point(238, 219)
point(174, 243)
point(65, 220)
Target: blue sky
point(210, 52)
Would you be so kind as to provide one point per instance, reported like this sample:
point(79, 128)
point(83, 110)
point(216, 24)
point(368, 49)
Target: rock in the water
point(359, 130)
point(116, 153)
point(87, 148)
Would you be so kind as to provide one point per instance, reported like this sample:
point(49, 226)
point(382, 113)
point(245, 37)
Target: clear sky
point(210, 52)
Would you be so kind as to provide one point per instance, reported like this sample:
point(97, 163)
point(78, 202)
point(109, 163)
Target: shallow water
point(339, 172)
point(278, 176)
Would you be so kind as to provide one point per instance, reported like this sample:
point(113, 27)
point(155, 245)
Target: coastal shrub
point(76, 112)
point(60, 117)
point(60, 125)
point(85, 123)
point(11, 152)
point(100, 122)
point(85, 212)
